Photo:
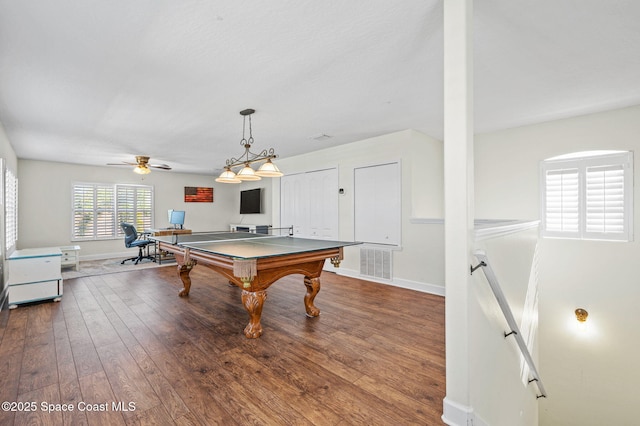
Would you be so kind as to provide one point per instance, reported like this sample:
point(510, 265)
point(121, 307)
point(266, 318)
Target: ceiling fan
point(142, 165)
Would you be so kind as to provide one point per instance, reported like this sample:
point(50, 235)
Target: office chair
point(131, 240)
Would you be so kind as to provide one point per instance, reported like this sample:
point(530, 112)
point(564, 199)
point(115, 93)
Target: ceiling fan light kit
point(142, 170)
point(244, 161)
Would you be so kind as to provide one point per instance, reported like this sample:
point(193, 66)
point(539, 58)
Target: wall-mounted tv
point(251, 201)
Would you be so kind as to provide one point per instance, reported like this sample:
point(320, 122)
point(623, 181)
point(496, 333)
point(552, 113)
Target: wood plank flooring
point(375, 355)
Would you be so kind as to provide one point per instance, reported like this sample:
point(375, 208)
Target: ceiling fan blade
point(124, 163)
point(159, 166)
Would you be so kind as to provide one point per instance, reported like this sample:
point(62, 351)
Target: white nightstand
point(70, 257)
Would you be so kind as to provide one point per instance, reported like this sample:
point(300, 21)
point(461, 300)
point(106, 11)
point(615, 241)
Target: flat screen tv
point(251, 201)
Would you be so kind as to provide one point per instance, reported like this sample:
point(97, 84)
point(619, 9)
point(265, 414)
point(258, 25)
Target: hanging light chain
point(244, 141)
point(250, 141)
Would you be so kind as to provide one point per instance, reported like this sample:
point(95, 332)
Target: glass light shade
point(269, 169)
point(142, 170)
point(227, 176)
point(581, 316)
point(247, 173)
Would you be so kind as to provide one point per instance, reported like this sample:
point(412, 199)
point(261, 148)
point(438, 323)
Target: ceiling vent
point(320, 137)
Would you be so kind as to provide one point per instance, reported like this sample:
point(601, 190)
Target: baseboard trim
point(395, 282)
point(103, 256)
point(455, 414)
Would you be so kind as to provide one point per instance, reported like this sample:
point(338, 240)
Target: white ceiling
point(93, 82)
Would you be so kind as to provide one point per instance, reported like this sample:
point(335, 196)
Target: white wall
point(591, 378)
point(419, 264)
point(499, 395)
point(267, 201)
point(45, 203)
point(6, 151)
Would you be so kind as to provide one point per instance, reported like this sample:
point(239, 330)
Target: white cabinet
point(254, 229)
point(242, 228)
point(34, 274)
point(70, 257)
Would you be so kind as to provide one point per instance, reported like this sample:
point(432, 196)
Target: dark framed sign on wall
point(198, 194)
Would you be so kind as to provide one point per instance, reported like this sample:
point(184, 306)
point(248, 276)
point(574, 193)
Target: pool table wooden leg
point(253, 302)
point(183, 272)
point(313, 287)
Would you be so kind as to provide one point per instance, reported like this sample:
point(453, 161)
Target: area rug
point(107, 266)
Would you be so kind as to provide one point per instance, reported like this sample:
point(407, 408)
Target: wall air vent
point(375, 263)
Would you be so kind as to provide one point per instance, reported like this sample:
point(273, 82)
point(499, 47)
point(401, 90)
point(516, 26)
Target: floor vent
point(375, 263)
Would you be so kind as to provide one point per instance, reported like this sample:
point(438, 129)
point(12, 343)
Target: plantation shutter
point(563, 201)
point(98, 209)
point(93, 214)
point(135, 206)
point(605, 199)
point(589, 197)
point(11, 209)
point(105, 216)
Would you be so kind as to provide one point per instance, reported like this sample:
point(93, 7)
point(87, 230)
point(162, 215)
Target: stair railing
point(511, 322)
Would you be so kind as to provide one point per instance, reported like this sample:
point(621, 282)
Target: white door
point(309, 202)
point(323, 204)
point(377, 204)
point(293, 203)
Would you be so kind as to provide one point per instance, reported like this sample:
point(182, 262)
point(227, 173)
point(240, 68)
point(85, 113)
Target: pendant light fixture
point(244, 162)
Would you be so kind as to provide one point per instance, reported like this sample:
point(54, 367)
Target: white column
point(459, 215)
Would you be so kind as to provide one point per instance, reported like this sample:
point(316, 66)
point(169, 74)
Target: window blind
point(11, 209)
point(562, 201)
point(93, 215)
point(589, 197)
point(135, 206)
point(98, 209)
point(605, 199)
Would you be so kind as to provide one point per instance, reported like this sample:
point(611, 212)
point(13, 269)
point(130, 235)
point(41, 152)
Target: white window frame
point(116, 210)
point(582, 166)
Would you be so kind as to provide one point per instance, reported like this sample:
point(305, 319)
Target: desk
point(161, 232)
point(253, 262)
point(168, 231)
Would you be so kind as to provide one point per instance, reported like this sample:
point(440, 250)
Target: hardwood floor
point(374, 356)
